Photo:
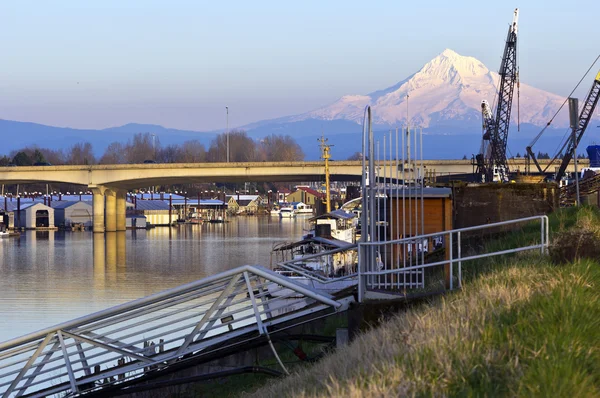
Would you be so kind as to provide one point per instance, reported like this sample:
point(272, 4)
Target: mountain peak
point(453, 67)
point(447, 90)
point(448, 53)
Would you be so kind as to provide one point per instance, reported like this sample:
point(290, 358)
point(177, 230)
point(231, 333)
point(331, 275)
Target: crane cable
point(537, 137)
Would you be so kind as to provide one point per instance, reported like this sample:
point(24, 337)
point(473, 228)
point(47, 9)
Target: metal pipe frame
point(188, 319)
point(543, 246)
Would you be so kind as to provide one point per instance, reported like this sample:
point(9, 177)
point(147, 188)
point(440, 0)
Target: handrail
point(125, 341)
point(477, 227)
point(290, 265)
point(369, 277)
point(135, 304)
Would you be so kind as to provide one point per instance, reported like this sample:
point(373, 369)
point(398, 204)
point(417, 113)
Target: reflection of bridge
point(109, 183)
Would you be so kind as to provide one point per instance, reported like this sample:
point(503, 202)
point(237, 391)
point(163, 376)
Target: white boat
point(287, 212)
point(338, 224)
point(274, 212)
point(327, 253)
point(302, 208)
point(313, 255)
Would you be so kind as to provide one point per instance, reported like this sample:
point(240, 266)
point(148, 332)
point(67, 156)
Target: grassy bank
point(521, 326)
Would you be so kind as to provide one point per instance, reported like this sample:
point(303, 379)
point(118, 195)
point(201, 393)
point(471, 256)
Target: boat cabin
point(337, 224)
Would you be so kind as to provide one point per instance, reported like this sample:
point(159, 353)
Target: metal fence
point(401, 266)
point(123, 342)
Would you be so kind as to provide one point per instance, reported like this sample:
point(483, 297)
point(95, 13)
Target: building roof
point(311, 191)
point(152, 205)
point(156, 196)
point(73, 198)
point(63, 204)
point(11, 205)
point(239, 198)
point(194, 202)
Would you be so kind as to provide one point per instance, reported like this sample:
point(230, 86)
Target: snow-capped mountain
point(446, 90)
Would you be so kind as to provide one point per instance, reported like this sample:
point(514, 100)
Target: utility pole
point(574, 118)
point(326, 155)
point(154, 145)
point(227, 131)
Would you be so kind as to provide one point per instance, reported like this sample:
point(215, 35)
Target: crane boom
point(496, 165)
point(584, 118)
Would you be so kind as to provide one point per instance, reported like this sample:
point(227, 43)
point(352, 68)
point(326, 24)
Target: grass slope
point(521, 326)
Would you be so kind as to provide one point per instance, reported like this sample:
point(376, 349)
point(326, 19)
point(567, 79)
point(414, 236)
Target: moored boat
point(287, 212)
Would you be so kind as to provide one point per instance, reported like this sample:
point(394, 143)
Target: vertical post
point(111, 211)
point(573, 115)
point(449, 270)
point(18, 211)
point(98, 208)
point(170, 209)
point(227, 131)
point(121, 209)
point(543, 244)
point(459, 261)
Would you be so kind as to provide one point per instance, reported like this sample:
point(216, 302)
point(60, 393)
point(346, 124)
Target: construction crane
point(491, 162)
point(584, 119)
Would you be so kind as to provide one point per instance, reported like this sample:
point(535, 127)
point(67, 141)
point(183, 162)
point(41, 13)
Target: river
point(50, 277)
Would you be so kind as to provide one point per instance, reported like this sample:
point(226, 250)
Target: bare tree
point(169, 154)
point(193, 152)
point(241, 148)
point(114, 154)
point(355, 156)
point(280, 148)
point(39, 155)
point(143, 146)
point(81, 153)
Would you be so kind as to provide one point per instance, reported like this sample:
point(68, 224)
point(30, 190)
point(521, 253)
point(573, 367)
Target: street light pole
point(154, 145)
point(227, 131)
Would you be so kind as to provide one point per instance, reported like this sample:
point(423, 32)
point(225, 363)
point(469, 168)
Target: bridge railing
point(410, 265)
point(124, 342)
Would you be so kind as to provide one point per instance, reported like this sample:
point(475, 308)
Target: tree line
point(146, 147)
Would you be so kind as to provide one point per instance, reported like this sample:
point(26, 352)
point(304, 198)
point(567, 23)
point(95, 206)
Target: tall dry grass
point(521, 326)
point(450, 347)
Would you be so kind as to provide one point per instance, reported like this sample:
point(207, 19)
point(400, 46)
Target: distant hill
point(443, 143)
point(24, 133)
point(444, 98)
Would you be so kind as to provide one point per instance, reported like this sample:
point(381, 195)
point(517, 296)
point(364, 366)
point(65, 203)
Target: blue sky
point(96, 64)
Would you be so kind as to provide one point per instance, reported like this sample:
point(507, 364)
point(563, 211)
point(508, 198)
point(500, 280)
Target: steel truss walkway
point(122, 343)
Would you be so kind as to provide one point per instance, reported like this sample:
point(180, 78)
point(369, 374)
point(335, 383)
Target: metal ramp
point(122, 343)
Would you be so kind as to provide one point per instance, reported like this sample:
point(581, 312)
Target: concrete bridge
point(109, 183)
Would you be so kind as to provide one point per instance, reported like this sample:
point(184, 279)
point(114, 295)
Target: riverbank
point(521, 326)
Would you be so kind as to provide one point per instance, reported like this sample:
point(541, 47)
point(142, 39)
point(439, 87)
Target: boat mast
point(325, 155)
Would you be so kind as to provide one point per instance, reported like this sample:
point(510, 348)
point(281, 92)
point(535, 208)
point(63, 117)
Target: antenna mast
point(326, 155)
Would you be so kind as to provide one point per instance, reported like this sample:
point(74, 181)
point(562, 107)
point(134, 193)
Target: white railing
point(123, 342)
point(399, 265)
point(298, 266)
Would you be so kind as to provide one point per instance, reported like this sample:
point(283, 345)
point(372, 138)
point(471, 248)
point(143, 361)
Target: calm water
point(51, 277)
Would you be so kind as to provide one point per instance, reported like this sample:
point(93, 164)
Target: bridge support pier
point(121, 210)
point(111, 211)
point(98, 208)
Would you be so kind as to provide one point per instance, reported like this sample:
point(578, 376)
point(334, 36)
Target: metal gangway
point(121, 344)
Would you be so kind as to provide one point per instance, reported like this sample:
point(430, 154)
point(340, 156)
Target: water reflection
point(110, 257)
point(52, 276)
